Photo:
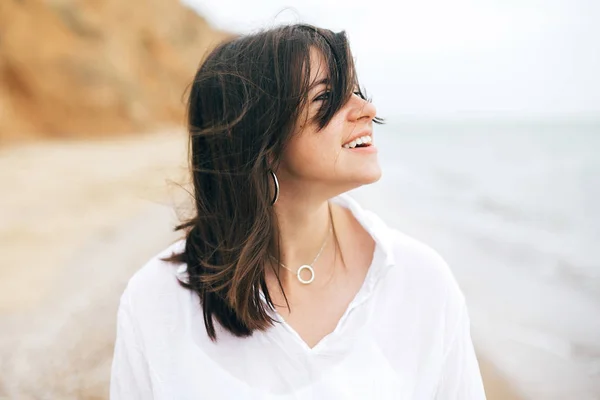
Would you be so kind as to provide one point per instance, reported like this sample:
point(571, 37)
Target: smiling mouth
point(364, 141)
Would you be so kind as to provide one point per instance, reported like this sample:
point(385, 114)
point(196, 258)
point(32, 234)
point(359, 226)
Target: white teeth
point(361, 140)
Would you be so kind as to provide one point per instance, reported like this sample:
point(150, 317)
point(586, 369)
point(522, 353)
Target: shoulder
point(415, 266)
point(157, 272)
point(419, 281)
point(412, 262)
point(155, 286)
point(422, 262)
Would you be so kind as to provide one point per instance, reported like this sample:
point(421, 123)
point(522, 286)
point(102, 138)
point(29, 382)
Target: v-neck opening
point(381, 258)
point(360, 296)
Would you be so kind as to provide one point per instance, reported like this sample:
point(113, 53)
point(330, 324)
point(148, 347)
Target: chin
point(371, 175)
point(372, 178)
point(365, 178)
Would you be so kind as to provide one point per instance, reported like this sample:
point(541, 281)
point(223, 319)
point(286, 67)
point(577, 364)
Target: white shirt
point(404, 336)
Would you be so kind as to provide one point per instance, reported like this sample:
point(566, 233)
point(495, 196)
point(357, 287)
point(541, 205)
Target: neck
point(303, 225)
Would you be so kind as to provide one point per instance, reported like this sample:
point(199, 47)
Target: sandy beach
point(77, 219)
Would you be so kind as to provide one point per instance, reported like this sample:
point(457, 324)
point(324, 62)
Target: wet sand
point(76, 220)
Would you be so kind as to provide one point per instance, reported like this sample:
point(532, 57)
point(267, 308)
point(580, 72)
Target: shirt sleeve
point(130, 378)
point(460, 377)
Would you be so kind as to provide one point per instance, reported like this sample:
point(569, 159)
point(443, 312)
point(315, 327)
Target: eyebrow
point(324, 81)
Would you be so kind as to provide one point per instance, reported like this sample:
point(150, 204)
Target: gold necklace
point(309, 267)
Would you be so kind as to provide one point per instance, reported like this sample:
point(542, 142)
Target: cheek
point(312, 155)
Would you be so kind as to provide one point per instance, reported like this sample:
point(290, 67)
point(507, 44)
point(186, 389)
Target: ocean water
point(514, 207)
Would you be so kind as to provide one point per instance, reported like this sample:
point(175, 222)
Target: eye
point(323, 96)
point(359, 94)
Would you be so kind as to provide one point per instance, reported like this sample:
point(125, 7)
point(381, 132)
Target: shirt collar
point(371, 222)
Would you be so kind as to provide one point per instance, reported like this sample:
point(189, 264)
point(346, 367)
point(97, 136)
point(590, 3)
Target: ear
point(270, 160)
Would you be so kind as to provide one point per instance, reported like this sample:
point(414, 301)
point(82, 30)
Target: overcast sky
point(453, 58)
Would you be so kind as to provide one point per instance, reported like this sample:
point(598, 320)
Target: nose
point(361, 109)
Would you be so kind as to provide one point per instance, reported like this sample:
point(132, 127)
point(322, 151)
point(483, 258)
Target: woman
point(284, 287)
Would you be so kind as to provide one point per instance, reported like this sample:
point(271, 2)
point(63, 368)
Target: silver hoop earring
point(276, 196)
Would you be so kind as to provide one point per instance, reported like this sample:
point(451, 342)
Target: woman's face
point(326, 158)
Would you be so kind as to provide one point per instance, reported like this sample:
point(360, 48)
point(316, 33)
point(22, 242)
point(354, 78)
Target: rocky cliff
point(86, 68)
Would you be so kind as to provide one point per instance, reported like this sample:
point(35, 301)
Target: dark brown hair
point(244, 102)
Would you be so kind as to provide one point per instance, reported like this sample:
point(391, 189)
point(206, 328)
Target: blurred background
point(490, 155)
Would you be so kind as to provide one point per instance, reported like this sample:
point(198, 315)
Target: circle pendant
point(312, 274)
